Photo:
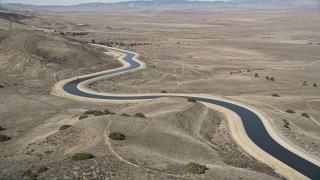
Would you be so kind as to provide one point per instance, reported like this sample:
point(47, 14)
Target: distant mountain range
point(184, 5)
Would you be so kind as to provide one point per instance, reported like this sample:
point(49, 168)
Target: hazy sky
point(57, 2)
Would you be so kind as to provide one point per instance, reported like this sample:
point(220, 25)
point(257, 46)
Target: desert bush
point(191, 99)
point(2, 129)
point(196, 168)
point(285, 123)
point(315, 85)
point(63, 127)
point(90, 112)
point(305, 83)
point(267, 77)
point(1, 86)
point(140, 115)
point(256, 75)
point(81, 156)
point(275, 95)
point(116, 136)
point(163, 91)
point(83, 116)
point(4, 138)
point(98, 113)
point(305, 115)
point(290, 111)
point(42, 169)
point(124, 114)
point(93, 41)
point(31, 175)
point(272, 79)
point(107, 112)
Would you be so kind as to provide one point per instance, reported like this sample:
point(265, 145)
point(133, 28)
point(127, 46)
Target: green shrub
point(290, 111)
point(63, 127)
point(2, 129)
point(116, 136)
point(305, 115)
point(107, 112)
point(163, 91)
point(82, 156)
point(191, 99)
point(83, 116)
point(275, 95)
point(42, 169)
point(124, 114)
point(196, 168)
point(285, 123)
point(140, 115)
point(4, 138)
point(90, 112)
point(30, 175)
point(98, 113)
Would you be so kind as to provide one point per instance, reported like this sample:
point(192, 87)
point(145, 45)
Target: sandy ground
point(188, 53)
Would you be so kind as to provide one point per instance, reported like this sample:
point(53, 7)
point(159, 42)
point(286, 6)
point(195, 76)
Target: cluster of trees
point(116, 43)
point(74, 33)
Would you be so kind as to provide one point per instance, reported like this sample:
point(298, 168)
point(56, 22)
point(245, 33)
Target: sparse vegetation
point(196, 168)
point(124, 114)
point(305, 115)
point(140, 115)
point(290, 111)
point(117, 136)
point(275, 95)
point(31, 175)
point(90, 112)
point(163, 91)
point(42, 169)
point(191, 99)
point(107, 112)
point(285, 123)
point(4, 138)
point(305, 83)
point(63, 127)
point(81, 156)
point(2, 129)
point(83, 116)
point(98, 113)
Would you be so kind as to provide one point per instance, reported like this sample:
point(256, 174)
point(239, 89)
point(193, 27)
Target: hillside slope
point(48, 56)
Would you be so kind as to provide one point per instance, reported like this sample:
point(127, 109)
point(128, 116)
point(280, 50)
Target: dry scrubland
point(189, 53)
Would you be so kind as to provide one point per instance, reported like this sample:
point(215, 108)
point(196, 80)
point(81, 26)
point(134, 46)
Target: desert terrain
point(223, 53)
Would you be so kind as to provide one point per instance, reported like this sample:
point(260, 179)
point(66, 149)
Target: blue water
point(252, 123)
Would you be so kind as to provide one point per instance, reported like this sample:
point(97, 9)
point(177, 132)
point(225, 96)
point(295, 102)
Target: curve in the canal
point(252, 123)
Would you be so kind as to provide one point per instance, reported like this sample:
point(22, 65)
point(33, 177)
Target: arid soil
point(214, 53)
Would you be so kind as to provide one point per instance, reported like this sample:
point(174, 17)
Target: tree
point(267, 77)
point(256, 75)
point(272, 78)
point(93, 41)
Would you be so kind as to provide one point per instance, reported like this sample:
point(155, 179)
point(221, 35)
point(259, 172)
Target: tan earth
point(187, 53)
